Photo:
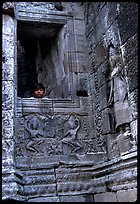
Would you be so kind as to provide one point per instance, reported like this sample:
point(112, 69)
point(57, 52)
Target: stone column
point(10, 176)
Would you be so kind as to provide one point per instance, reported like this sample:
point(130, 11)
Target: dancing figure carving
point(70, 137)
point(34, 126)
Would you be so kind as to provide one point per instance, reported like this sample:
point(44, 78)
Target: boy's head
point(38, 90)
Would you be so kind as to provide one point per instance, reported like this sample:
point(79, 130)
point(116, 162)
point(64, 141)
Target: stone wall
point(73, 147)
point(113, 24)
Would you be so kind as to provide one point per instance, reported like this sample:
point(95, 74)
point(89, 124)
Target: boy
point(38, 90)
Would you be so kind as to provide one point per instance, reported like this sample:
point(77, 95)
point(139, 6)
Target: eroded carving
point(40, 137)
point(70, 137)
point(37, 126)
point(7, 148)
point(8, 8)
point(118, 96)
point(118, 101)
point(125, 140)
point(114, 148)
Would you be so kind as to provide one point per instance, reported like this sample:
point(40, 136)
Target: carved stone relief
point(8, 9)
point(40, 129)
point(118, 102)
point(70, 137)
point(7, 123)
point(60, 141)
point(125, 141)
point(118, 96)
point(52, 6)
point(7, 148)
point(55, 138)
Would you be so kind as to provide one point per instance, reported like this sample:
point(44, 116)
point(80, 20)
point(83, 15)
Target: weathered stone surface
point(112, 34)
point(103, 103)
point(131, 24)
point(75, 198)
point(7, 149)
point(7, 123)
point(132, 73)
point(8, 46)
point(133, 101)
point(102, 74)
point(112, 146)
point(45, 199)
point(130, 48)
point(68, 146)
point(8, 26)
point(134, 130)
point(8, 66)
point(8, 93)
point(99, 54)
point(112, 12)
point(106, 197)
point(108, 121)
point(127, 195)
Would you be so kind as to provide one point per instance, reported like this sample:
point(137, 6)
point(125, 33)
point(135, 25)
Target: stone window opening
point(40, 59)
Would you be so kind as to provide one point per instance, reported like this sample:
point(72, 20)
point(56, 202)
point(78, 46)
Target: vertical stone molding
point(10, 185)
point(77, 142)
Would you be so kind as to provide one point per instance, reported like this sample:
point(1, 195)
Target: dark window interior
point(34, 44)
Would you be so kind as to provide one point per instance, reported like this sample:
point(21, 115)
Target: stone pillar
point(10, 175)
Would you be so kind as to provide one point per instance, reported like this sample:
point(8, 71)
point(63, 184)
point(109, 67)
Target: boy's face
point(39, 93)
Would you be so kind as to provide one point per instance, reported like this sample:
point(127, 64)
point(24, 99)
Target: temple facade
point(79, 142)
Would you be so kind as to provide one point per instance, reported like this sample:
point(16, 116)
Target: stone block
point(8, 163)
point(8, 25)
point(8, 69)
point(7, 132)
point(82, 81)
point(112, 146)
point(45, 199)
point(102, 74)
point(77, 198)
point(105, 197)
point(43, 190)
point(133, 103)
point(8, 45)
point(82, 66)
point(110, 12)
point(79, 27)
point(128, 21)
point(90, 41)
point(130, 48)
point(132, 73)
point(80, 44)
point(126, 6)
point(134, 129)
point(129, 195)
point(98, 6)
point(98, 33)
point(71, 44)
point(100, 53)
point(103, 97)
point(108, 124)
point(112, 34)
point(93, 20)
point(8, 95)
point(124, 143)
point(7, 123)
point(84, 131)
point(7, 149)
